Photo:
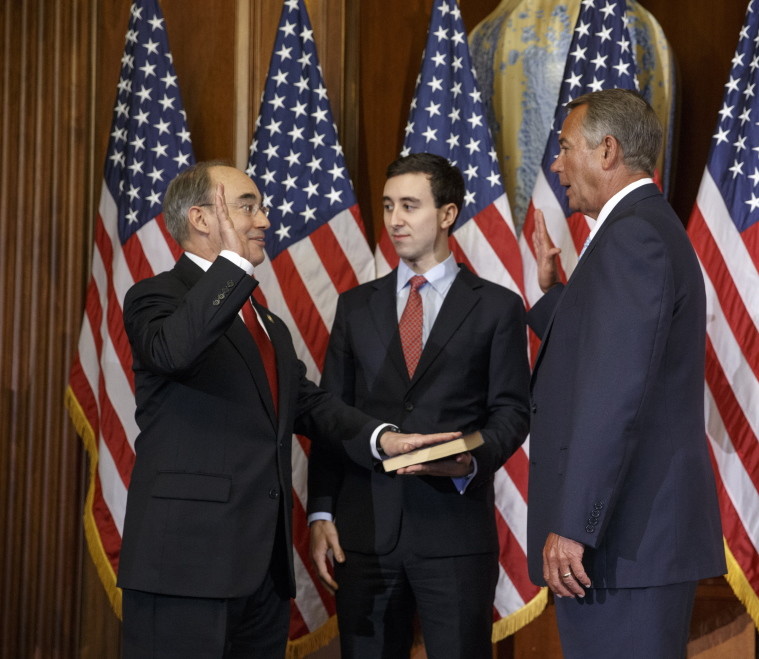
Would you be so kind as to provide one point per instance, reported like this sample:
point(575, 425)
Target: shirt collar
point(199, 261)
point(609, 206)
point(440, 277)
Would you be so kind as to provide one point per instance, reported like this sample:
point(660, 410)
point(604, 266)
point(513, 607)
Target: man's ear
point(449, 213)
point(611, 154)
point(198, 220)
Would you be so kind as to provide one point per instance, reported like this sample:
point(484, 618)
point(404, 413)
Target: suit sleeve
point(339, 428)
point(170, 327)
point(623, 312)
point(540, 313)
point(507, 420)
point(325, 468)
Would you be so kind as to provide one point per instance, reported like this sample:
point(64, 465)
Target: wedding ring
point(568, 574)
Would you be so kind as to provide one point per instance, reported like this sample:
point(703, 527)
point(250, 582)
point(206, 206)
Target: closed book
point(434, 452)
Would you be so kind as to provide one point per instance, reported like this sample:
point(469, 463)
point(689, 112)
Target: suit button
point(408, 406)
point(590, 528)
point(230, 284)
point(596, 513)
point(216, 302)
point(598, 506)
point(273, 493)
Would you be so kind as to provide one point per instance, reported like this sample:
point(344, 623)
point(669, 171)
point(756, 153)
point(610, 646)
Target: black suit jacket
point(472, 375)
point(618, 451)
point(212, 472)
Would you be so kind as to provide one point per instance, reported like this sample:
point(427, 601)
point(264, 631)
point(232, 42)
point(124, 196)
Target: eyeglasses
point(245, 207)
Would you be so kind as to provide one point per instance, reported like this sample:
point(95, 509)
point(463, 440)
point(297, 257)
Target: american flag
point(600, 57)
point(316, 248)
point(724, 229)
point(149, 145)
point(448, 118)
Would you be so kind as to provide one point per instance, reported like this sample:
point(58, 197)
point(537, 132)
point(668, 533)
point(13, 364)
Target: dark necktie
point(265, 349)
point(410, 325)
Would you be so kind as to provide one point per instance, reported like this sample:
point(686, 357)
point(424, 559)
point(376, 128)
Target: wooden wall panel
point(43, 191)
point(703, 36)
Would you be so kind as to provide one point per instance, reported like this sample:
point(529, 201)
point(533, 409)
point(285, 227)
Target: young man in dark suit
point(423, 538)
point(622, 511)
point(206, 560)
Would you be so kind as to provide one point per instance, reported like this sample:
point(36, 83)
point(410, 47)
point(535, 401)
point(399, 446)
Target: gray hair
point(626, 116)
point(191, 187)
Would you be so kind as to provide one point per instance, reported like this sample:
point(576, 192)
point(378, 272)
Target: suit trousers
point(629, 623)
point(378, 596)
point(158, 626)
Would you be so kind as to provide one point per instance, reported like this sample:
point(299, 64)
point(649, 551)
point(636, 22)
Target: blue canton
point(734, 157)
point(295, 156)
point(447, 113)
point(149, 143)
point(600, 57)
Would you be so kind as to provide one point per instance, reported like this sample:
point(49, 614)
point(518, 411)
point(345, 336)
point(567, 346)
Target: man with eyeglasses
point(206, 561)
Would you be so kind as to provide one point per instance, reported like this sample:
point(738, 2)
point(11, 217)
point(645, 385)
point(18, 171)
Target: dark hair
point(191, 187)
point(626, 116)
point(446, 181)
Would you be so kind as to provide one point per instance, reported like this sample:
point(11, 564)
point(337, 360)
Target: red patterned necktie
point(410, 325)
point(265, 349)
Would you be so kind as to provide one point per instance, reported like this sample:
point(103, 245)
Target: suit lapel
point(239, 336)
point(458, 303)
point(259, 372)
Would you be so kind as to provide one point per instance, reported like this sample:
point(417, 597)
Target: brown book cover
point(434, 452)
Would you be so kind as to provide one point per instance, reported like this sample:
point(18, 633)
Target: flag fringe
point(94, 543)
point(511, 624)
point(313, 641)
point(741, 586)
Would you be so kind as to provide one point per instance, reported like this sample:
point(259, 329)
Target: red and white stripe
point(301, 286)
point(730, 262)
point(101, 378)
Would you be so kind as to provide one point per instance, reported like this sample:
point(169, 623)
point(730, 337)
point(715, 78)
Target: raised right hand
point(546, 254)
point(229, 237)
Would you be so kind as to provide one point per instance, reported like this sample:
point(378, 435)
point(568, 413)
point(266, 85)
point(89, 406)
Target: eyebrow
point(248, 196)
point(412, 199)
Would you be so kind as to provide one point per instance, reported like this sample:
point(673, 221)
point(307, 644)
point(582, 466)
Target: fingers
point(453, 467)
point(563, 570)
point(323, 539)
point(540, 233)
point(394, 443)
point(545, 254)
point(322, 569)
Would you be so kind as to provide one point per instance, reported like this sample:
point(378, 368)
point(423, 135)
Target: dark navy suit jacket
point(618, 451)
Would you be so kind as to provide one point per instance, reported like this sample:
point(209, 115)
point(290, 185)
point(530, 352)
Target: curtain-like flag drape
point(724, 229)
point(316, 248)
point(149, 145)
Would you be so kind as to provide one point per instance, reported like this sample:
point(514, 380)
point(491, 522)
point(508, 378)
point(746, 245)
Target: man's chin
point(257, 257)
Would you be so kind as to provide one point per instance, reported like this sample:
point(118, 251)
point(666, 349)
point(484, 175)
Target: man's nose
point(261, 220)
